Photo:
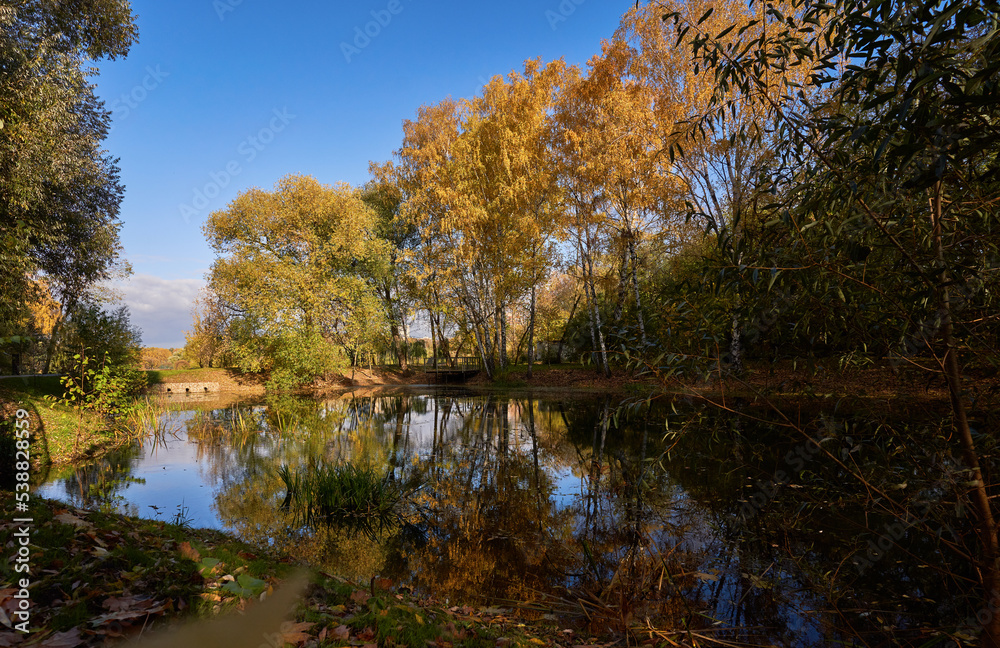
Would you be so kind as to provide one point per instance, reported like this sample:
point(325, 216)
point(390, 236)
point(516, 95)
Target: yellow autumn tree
point(478, 182)
point(418, 172)
point(508, 206)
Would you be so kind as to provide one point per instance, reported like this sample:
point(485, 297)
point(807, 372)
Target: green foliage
point(108, 389)
point(301, 357)
point(348, 496)
point(245, 586)
point(295, 280)
point(61, 192)
point(842, 254)
point(107, 334)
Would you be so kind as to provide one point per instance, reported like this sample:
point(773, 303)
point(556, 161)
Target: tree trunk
point(434, 348)
point(531, 334)
point(404, 362)
point(595, 313)
point(394, 327)
point(635, 285)
point(487, 360)
point(50, 350)
point(562, 338)
point(736, 347)
point(622, 288)
point(989, 567)
point(503, 336)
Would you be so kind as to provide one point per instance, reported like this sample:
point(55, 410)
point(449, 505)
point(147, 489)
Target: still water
point(586, 507)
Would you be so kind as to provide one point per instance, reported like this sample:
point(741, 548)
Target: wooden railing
point(463, 363)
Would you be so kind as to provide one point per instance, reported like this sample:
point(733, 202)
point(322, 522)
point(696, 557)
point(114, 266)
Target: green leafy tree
point(293, 277)
point(395, 285)
point(59, 192)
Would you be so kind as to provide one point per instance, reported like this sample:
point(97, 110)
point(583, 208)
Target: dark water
point(591, 509)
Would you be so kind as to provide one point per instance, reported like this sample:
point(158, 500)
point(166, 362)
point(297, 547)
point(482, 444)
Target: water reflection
point(571, 504)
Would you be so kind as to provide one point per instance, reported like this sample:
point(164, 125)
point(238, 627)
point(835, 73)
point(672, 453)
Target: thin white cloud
point(160, 307)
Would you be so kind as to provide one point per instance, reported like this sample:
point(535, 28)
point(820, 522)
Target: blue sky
point(222, 95)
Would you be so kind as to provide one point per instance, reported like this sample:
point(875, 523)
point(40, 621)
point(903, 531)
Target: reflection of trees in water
point(639, 533)
point(300, 432)
point(493, 526)
point(785, 568)
point(101, 484)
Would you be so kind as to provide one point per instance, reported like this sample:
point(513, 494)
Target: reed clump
point(348, 496)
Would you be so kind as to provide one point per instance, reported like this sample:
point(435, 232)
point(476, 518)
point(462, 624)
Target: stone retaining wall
point(186, 388)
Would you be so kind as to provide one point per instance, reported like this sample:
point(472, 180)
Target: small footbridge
point(453, 369)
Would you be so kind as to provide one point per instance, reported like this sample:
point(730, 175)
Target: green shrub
point(109, 390)
point(301, 357)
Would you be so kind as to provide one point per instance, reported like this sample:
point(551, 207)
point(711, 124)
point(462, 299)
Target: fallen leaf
point(189, 552)
point(114, 604)
point(96, 539)
point(360, 596)
point(69, 518)
point(68, 639)
point(9, 639)
point(132, 613)
point(295, 633)
point(341, 632)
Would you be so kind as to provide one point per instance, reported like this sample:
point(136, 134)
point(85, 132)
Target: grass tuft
point(347, 496)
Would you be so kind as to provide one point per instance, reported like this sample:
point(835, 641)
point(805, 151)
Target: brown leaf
point(68, 639)
point(189, 552)
point(295, 633)
point(341, 632)
point(137, 609)
point(69, 518)
point(360, 596)
point(115, 604)
point(366, 635)
point(8, 639)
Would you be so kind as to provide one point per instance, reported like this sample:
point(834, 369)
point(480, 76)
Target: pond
point(596, 509)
